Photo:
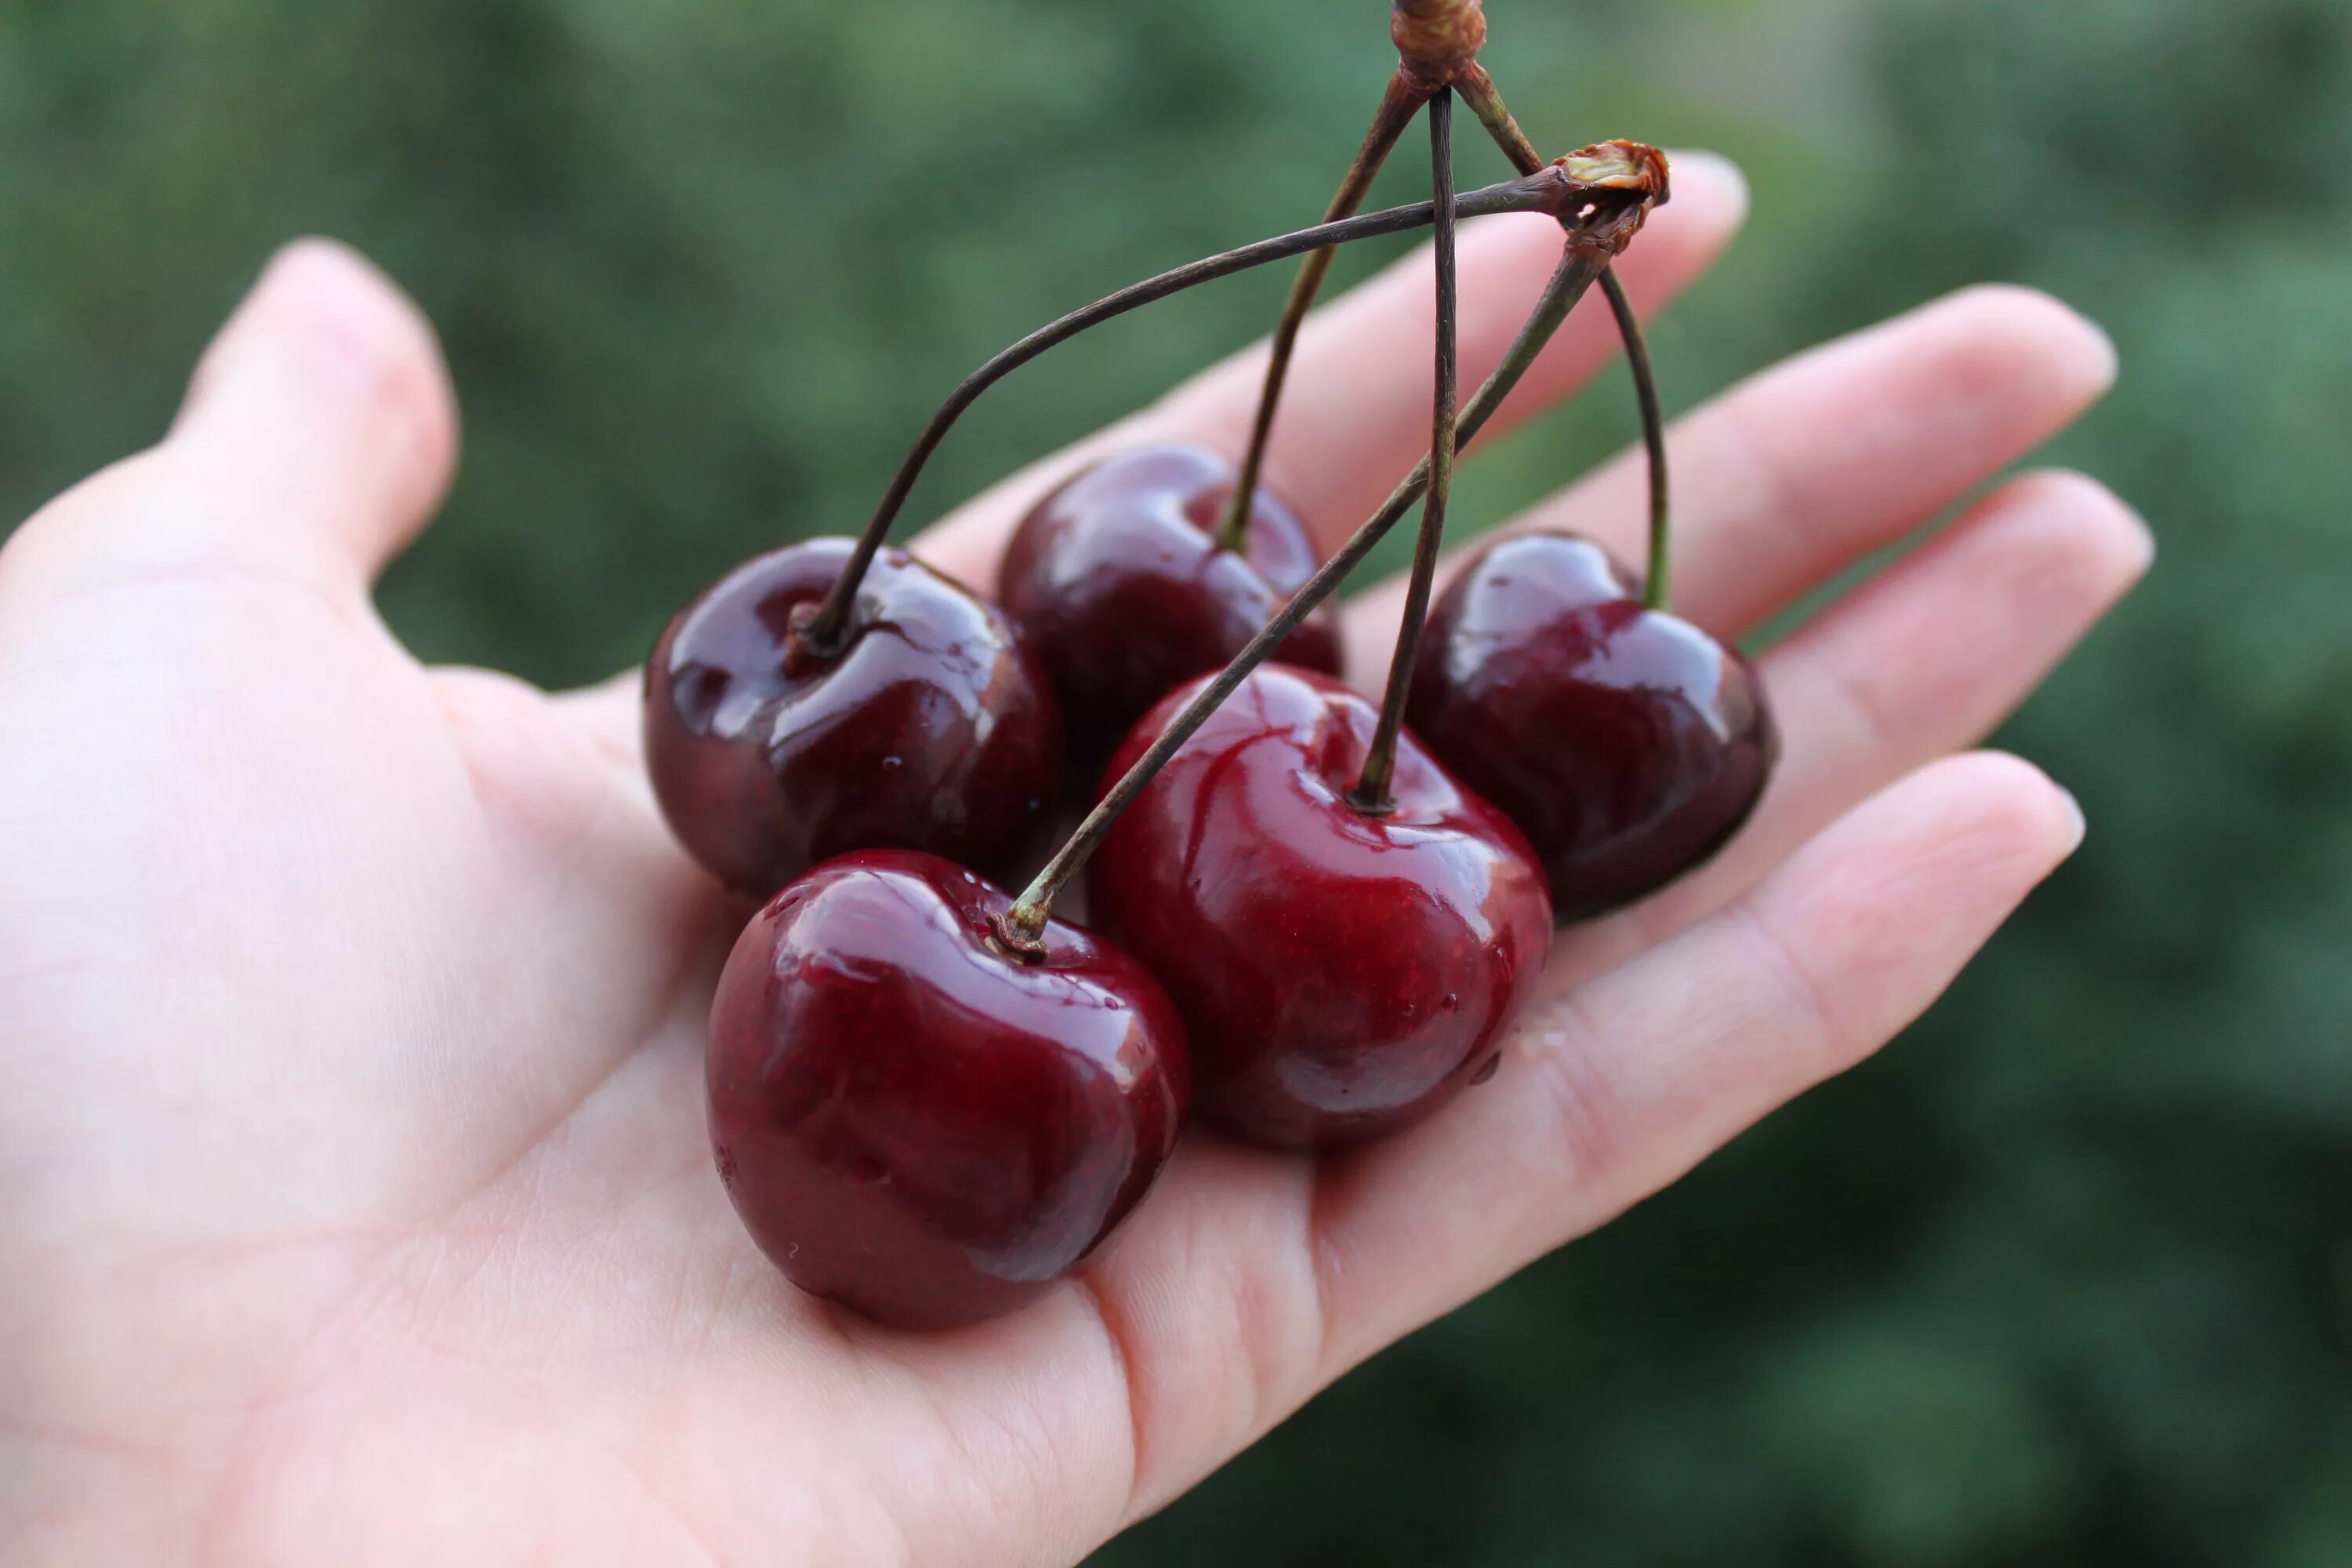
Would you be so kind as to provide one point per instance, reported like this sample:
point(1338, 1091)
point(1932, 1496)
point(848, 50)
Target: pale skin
point(355, 1205)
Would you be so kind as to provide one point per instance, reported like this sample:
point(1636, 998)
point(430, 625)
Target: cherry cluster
point(1310, 917)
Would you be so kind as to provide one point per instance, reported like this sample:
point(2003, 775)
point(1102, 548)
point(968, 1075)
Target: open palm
point(355, 1204)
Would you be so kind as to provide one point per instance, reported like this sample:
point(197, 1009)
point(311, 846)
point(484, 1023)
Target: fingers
point(1354, 417)
point(321, 418)
point(319, 434)
point(1924, 660)
point(1801, 470)
point(1614, 1090)
point(1252, 1279)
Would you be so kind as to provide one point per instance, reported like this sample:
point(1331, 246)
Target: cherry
point(1628, 745)
point(1346, 966)
point(930, 727)
point(915, 1121)
point(1122, 586)
point(929, 1100)
point(1340, 973)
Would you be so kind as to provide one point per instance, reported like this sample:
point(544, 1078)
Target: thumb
point(322, 417)
point(318, 435)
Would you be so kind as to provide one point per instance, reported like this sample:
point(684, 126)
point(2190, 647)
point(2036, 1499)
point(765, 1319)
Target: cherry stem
point(1653, 424)
point(1023, 926)
point(1371, 794)
point(1486, 100)
point(1545, 191)
point(1402, 99)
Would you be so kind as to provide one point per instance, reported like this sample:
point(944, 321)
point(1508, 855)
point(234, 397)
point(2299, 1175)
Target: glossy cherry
point(930, 728)
point(1627, 744)
point(1121, 588)
point(1339, 974)
point(914, 1120)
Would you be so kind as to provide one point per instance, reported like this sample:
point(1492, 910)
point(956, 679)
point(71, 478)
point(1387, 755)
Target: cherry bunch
point(929, 1097)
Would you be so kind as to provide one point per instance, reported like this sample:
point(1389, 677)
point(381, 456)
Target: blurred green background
point(2066, 1279)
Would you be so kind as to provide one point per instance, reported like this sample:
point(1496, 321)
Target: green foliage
point(2065, 1279)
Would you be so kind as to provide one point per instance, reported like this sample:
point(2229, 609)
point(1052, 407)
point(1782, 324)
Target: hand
point(355, 1204)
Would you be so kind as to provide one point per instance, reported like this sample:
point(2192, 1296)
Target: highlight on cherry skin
point(916, 1122)
point(1628, 745)
point(1120, 585)
point(931, 727)
point(1341, 975)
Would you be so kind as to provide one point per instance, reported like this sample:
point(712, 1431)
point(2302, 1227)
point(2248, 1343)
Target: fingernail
point(2082, 826)
point(2111, 359)
point(321, 306)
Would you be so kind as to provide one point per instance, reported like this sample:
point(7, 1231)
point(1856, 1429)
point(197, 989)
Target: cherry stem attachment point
point(1371, 794)
point(1437, 38)
point(1591, 244)
point(1399, 103)
point(1548, 190)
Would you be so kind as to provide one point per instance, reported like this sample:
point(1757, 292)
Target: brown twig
point(1437, 39)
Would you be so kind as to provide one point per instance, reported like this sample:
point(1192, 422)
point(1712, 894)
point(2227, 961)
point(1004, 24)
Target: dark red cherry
point(916, 1122)
point(932, 728)
point(1116, 581)
point(1628, 745)
point(1339, 974)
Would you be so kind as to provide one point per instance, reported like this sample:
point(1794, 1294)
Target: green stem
point(1371, 794)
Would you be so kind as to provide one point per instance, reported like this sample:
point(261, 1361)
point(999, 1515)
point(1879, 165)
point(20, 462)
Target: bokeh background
point(2066, 1279)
